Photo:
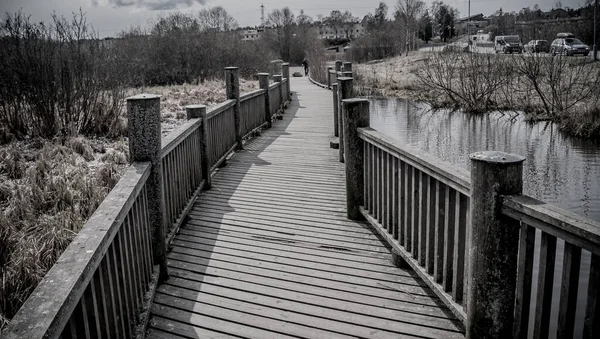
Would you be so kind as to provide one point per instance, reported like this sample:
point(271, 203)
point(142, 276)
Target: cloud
point(154, 5)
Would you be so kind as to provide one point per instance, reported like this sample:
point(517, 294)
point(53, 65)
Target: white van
point(508, 44)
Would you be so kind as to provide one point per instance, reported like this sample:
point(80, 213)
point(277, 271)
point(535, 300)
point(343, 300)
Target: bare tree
point(281, 34)
point(216, 19)
point(409, 12)
point(341, 22)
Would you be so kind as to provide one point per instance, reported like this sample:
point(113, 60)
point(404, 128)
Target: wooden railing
point(472, 236)
point(101, 286)
point(275, 97)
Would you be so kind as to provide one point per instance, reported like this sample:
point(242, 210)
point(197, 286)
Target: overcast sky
point(111, 16)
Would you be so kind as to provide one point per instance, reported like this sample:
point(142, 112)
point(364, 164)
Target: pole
point(469, 26)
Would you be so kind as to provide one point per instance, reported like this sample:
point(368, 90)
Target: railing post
point(199, 112)
point(285, 71)
point(347, 74)
point(277, 79)
point(143, 114)
point(356, 115)
point(232, 83)
point(263, 82)
point(344, 92)
point(493, 242)
point(338, 67)
point(347, 67)
point(334, 89)
point(329, 69)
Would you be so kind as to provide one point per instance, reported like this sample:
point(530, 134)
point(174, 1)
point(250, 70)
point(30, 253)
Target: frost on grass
point(174, 98)
point(48, 189)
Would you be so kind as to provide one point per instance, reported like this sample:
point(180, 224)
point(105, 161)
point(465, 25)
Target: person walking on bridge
point(305, 65)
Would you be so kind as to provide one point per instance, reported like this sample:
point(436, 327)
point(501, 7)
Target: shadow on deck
point(268, 251)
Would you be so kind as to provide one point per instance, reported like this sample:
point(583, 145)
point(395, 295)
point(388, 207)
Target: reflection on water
point(558, 170)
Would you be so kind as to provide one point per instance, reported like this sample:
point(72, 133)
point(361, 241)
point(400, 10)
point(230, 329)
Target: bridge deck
point(269, 253)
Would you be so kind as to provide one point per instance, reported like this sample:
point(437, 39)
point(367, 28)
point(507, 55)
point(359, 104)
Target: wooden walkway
point(269, 253)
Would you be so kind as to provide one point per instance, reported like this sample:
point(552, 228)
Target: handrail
point(46, 312)
point(553, 220)
point(274, 85)
point(171, 140)
point(250, 95)
point(219, 108)
point(453, 176)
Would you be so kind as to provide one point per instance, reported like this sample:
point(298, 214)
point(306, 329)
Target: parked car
point(537, 46)
point(568, 44)
point(508, 44)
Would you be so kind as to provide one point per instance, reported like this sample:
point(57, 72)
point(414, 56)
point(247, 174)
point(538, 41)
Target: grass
point(404, 77)
point(49, 188)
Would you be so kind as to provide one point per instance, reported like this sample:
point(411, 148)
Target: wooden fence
point(472, 236)
point(103, 283)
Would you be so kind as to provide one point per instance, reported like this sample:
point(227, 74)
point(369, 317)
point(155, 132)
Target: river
point(559, 170)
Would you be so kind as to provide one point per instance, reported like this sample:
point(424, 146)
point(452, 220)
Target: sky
point(109, 17)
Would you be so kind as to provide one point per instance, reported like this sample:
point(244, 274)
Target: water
point(559, 170)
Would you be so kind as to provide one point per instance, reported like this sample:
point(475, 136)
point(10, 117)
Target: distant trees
point(216, 19)
point(444, 17)
point(382, 38)
point(280, 37)
point(341, 23)
point(407, 14)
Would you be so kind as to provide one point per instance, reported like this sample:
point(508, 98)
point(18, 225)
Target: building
point(251, 34)
point(476, 22)
point(353, 30)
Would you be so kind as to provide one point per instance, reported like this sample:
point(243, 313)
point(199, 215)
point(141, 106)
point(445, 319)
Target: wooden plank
point(408, 207)
point(524, 281)
point(318, 320)
point(416, 203)
point(395, 197)
point(423, 215)
point(345, 301)
point(541, 325)
point(568, 291)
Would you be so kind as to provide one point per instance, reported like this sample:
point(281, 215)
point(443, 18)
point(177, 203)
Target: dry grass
point(48, 189)
point(175, 98)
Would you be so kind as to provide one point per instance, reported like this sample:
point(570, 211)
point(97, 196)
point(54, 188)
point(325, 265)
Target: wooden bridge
point(245, 223)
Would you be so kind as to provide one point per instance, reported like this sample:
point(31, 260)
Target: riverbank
point(563, 90)
point(49, 188)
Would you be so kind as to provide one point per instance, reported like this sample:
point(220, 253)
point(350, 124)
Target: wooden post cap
point(497, 157)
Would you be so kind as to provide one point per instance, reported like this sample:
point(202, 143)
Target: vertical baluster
point(137, 251)
point(449, 238)
point(87, 313)
point(416, 181)
point(130, 254)
point(402, 202)
point(107, 295)
point(147, 229)
point(544, 287)
point(122, 276)
point(385, 189)
point(395, 196)
point(430, 227)
point(568, 291)
point(524, 281)
point(591, 325)
point(408, 207)
point(423, 213)
point(113, 271)
point(459, 247)
point(440, 231)
point(99, 305)
point(366, 147)
point(372, 190)
point(77, 324)
point(376, 182)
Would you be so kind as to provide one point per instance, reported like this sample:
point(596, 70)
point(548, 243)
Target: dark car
point(537, 46)
point(568, 45)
